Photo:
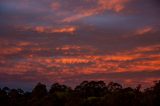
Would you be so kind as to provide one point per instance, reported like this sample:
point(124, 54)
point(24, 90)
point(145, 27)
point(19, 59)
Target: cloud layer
point(71, 41)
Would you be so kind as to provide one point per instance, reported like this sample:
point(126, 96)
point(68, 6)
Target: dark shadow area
point(88, 93)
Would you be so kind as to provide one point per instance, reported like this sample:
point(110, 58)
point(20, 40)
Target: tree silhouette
point(56, 87)
point(38, 95)
point(93, 88)
point(39, 91)
point(87, 93)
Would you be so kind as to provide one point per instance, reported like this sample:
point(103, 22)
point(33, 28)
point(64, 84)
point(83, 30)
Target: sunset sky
point(69, 41)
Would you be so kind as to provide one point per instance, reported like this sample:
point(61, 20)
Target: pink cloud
point(102, 5)
point(144, 30)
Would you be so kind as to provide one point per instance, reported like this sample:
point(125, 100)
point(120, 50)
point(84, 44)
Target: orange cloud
point(145, 30)
point(69, 29)
point(72, 60)
point(133, 60)
point(102, 5)
point(65, 30)
point(24, 44)
point(40, 29)
point(115, 5)
point(69, 47)
point(55, 5)
point(80, 15)
point(49, 29)
point(10, 50)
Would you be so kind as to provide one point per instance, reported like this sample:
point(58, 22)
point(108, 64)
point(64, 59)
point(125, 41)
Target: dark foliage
point(93, 93)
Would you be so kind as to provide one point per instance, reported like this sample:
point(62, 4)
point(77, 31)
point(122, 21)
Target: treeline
point(88, 93)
